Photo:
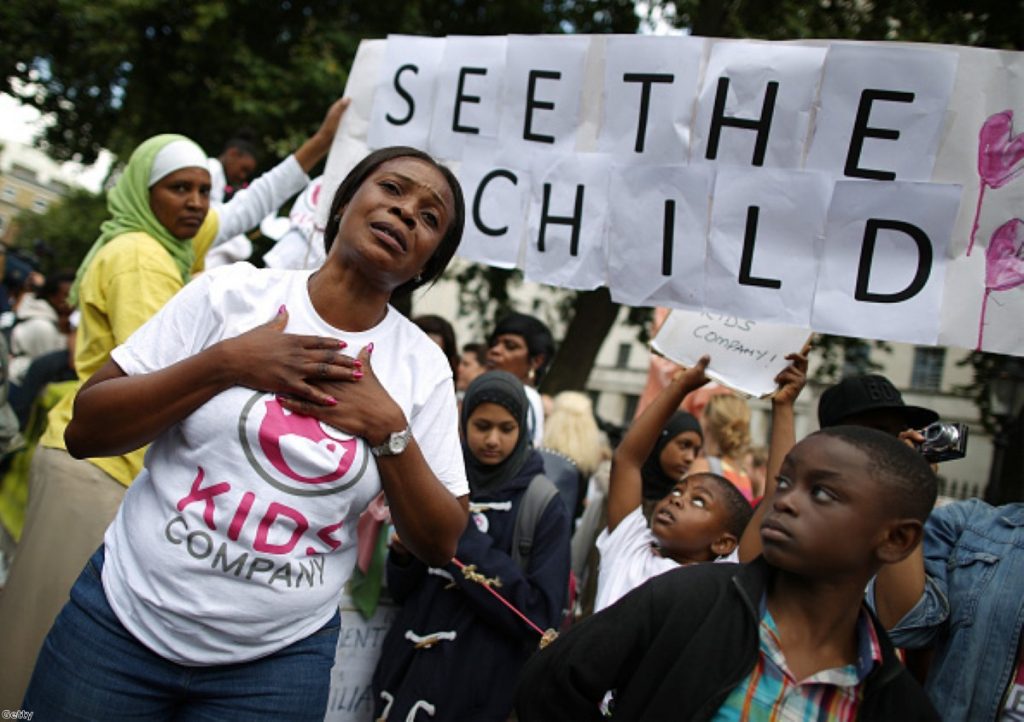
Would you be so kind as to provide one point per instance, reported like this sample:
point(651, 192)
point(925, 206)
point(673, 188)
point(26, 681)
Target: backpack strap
point(535, 500)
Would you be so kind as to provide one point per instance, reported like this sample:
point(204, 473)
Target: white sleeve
point(265, 194)
point(183, 327)
point(624, 541)
point(435, 426)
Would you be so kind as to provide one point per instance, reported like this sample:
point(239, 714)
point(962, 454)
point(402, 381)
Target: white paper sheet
point(577, 191)
point(642, 248)
point(921, 79)
point(405, 97)
point(544, 76)
point(897, 266)
point(790, 221)
point(649, 86)
point(988, 84)
point(497, 199)
point(468, 99)
point(750, 69)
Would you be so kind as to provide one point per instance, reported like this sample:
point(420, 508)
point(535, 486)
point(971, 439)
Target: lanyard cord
point(501, 599)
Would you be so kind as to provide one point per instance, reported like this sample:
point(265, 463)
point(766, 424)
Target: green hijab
point(128, 203)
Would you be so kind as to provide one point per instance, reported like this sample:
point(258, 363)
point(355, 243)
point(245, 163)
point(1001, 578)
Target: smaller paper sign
point(568, 210)
point(883, 266)
point(468, 98)
point(745, 355)
point(360, 643)
point(403, 103)
point(649, 86)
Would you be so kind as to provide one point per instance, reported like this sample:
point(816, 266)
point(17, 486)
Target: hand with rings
point(268, 359)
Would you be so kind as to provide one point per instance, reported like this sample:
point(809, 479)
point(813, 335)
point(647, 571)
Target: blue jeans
point(92, 668)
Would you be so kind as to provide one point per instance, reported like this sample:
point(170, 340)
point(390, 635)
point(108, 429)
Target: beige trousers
point(70, 504)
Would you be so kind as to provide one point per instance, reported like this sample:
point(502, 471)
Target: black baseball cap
point(857, 394)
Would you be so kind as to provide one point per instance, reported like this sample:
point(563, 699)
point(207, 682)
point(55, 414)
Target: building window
point(9, 193)
point(39, 205)
point(927, 371)
point(3, 225)
point(622, 361)
point(24, 172)
point(632, 400)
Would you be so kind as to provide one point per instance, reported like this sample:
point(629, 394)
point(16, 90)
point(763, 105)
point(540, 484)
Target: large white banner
point(867, 189)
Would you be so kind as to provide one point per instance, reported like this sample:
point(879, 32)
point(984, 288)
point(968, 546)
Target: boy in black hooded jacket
point(706, 642)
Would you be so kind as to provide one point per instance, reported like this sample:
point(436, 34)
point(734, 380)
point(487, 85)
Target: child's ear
point(901, 537)
point(724, 545)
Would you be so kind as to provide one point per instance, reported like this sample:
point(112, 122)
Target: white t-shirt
point(628, 559)
point(536, 420)
point(237, 537)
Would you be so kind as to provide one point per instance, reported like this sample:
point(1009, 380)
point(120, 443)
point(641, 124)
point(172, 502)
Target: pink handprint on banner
point(1000, 159)
point(1004, 263)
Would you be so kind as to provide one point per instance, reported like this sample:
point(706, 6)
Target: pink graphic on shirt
point(294, 444)
point(262, 542)
point(1004, 264)
point(1000, 159)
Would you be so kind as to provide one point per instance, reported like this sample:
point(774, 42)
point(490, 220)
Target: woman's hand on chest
point(360, 405)
point(268, 359)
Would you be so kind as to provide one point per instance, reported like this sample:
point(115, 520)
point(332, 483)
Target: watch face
point(396, 443)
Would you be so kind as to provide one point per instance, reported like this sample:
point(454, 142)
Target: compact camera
point(943, 441)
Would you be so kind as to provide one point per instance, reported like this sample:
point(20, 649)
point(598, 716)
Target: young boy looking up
point(786, 636)
point(700, 519)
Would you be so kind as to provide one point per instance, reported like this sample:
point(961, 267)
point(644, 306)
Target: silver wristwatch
point(395, 443)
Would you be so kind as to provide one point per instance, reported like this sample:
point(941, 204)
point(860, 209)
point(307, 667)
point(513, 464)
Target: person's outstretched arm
point(625, 485)
point(266, 194)
point(791, 382)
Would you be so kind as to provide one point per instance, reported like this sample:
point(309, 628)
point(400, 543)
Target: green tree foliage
point(985, 23)
point(66, 230)
point(116, 72)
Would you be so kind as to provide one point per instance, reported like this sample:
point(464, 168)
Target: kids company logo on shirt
point(298, 454)
point(242, 532)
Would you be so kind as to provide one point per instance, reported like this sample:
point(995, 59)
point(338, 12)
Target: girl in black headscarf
point(677, 447)
point(454, 650)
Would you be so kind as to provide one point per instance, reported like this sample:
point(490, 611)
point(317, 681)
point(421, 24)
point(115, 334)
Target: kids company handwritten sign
point(865, 189)
point(745, 355)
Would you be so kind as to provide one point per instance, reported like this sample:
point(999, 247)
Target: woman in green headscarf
point(159, 229)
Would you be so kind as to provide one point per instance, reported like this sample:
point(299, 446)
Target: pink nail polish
point(282, 309)
point(342, 344)
point(357, 374)
point(369, 348)
point(281, 399)
point(331, 401)
point(357, 363)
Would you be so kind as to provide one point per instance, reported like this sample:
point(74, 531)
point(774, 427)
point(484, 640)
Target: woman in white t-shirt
point(215, 592)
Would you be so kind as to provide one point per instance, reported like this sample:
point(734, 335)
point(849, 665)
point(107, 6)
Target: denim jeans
point(92, 668)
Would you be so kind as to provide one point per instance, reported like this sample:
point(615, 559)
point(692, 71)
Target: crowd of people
point(235, 443)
